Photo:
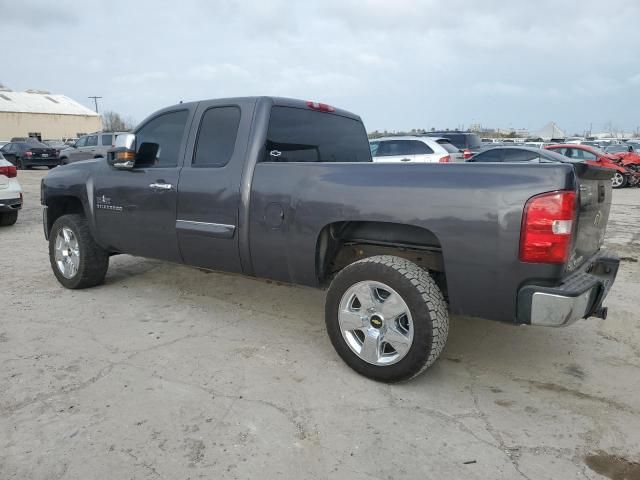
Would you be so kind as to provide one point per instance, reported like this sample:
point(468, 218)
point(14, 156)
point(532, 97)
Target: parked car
point(57, 144)
point(622, 176)
point(286, 189)
point(519, 154)
point(95, 145)
point(620, 148)
point(413, 149)
point(10, 193)
point(468, 142)
point(30, 154)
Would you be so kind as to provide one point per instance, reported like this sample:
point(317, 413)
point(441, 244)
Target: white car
point(416, 149)
point(10, 193)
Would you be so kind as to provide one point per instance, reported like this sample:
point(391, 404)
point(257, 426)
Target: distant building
point(37, 113)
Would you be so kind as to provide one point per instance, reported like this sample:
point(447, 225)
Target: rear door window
point(217, 137)
point(394, 148)
point(107, 140)
point(419, 148)
point(494, 155)
point(518, 155)
point(299, 135)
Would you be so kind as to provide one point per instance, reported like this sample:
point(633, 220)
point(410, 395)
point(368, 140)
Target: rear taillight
point(322, 107)
point(9, 171)
point(467, 154)
point(28, 153)
point(445, 159)
point(547, 227)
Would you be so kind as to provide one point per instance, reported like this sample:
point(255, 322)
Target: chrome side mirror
point(123, 155)
point(126, 141)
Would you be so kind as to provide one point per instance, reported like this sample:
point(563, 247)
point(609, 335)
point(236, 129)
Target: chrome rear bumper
point(580, 295)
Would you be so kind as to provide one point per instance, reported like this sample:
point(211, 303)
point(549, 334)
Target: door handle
point(405, 160)
point(160, 186)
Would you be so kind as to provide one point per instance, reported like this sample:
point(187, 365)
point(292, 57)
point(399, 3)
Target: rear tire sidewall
point(418, 354)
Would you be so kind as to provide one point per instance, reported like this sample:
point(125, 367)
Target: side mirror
point(123, 155)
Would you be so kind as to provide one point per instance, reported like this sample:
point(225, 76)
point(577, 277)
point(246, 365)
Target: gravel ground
point(170, 372)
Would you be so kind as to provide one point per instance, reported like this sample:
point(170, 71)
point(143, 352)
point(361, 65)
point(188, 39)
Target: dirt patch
point(554, 387)
point(613, 466)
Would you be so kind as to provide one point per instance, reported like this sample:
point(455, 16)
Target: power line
point(95, 99)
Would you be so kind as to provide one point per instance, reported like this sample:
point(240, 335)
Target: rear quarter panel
point(475, 210)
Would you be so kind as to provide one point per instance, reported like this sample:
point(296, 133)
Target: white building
point(37, 113)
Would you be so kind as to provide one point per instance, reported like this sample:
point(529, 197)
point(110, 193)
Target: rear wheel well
point(343, 243)
point(62, 206)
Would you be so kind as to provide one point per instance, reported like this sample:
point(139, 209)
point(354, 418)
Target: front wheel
point(619, 180)
point(386, 318)
point(76, 259)
point(19, 164)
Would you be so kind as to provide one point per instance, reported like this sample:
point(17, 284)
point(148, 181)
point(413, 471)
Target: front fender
point(69, 189)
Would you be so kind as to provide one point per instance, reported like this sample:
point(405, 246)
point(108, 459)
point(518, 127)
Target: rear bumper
point(41, 162)
point(580, 295)
point(10, 204)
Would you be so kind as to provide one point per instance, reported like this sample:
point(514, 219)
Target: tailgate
point(4, 182)
point(594, 203)
point(44, 152)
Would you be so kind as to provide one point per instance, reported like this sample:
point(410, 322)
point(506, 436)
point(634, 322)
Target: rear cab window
point(299, 135)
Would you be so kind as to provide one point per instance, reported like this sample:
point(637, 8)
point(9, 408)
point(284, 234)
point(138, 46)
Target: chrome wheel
point(376, 323)
point(67, 253)
point(617, 180)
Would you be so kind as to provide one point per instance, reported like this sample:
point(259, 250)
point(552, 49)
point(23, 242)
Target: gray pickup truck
point(285, 189)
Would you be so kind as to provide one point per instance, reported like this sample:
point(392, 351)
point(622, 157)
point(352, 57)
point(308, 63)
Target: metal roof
point(41, 102)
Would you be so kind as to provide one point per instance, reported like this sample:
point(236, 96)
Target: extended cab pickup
point(285, 189)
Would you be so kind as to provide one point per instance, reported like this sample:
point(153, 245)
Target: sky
point(399, 64)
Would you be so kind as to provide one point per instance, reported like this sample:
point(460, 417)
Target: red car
point(627, 172)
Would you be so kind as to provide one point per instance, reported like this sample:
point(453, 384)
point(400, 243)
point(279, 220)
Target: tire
point(8, 218)
point(63, 161)
point(619, 180)
point(19, 164)
point(423, 328)
point(90, 261)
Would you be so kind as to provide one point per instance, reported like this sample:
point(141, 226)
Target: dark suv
point(462, 140)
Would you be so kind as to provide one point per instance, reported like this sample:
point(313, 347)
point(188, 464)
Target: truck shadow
point(518, 351)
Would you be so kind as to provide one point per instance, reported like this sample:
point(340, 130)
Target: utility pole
point(95, 100)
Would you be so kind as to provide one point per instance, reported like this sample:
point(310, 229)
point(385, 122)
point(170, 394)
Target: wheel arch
point(62, 205)
point(341, 243)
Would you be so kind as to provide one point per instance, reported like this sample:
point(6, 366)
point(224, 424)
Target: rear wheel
point(8, 218)
point(76, 259)
point(386, 318)
point(619, 180)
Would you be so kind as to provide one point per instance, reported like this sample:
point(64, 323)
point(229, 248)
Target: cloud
point(402, 64)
